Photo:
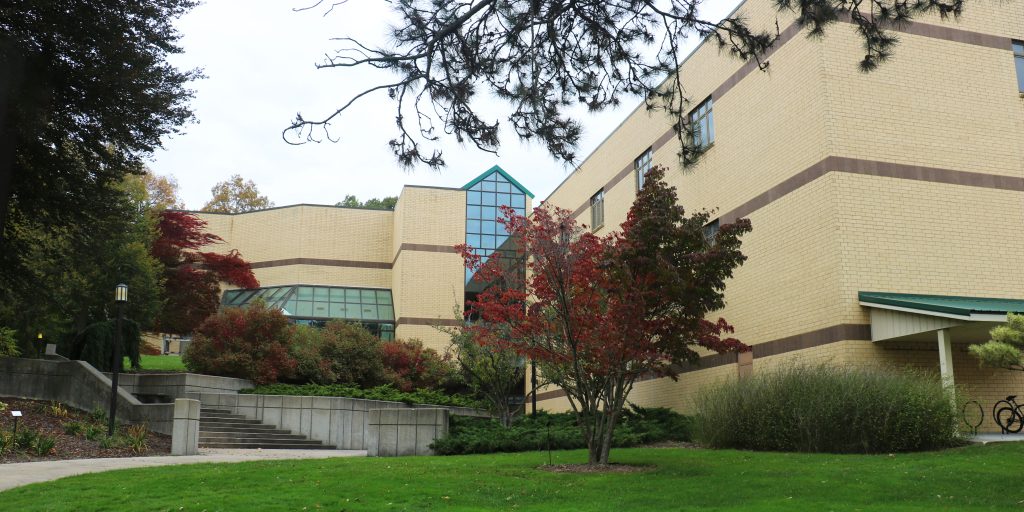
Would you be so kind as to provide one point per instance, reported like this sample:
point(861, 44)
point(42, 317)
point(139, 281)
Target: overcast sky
point(259, 58)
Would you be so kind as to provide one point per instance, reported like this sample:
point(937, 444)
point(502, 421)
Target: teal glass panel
point(488, 227)
point(472, 226)
point(369, 312)
point(321, 309)
point(321, 294)
point(289, 307)
point(353, 311)
point(488, 198)
point(351, 295)
point(1020, 73)
point(386, 312)
point(303, 308)
point(487, 242)
point(337, 295)
point(521, 212)
point(369, 297)
point(304, 293)
point(383, 297)
point(518, 201)
point(504, 199)
point(472, 197)
point(499, 178)
point(489, 212)
point(337, 310)
point(1018, 48)
point(504, 187)
point(473, 240)
point(489, 186)
point(473, 212)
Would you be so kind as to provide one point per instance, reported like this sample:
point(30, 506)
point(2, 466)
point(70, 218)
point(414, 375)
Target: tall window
point(641, 165)
point(484, 231)
point(1018, 54)
point(702, 120)
point(597, 210)
point(711, 232)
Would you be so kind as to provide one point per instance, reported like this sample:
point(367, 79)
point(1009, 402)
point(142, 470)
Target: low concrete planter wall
point(337, 421)
point(179, 385)
point(79, 385)
point(399, 432)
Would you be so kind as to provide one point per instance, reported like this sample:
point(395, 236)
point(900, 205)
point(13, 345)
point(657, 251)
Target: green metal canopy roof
point(948, 304)
point(502, 172)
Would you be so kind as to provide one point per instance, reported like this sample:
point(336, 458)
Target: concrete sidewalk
point(24, 473)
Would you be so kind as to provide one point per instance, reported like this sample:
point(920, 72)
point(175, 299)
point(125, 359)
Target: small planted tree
point(492, 370)
point(598, 313)
point(1006, 348)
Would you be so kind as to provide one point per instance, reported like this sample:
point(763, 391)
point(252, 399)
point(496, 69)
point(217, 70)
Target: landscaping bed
point(74, 434)
point(385, 393)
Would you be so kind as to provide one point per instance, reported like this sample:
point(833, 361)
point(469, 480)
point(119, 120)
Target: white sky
point(259, 58)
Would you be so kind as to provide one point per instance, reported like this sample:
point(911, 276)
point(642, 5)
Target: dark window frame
point(1018, 62)
point(702, 123)
point(641, 165)
point(597, 210)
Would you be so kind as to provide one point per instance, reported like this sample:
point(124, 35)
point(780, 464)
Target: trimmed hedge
point(829, 409)
point(637, 426)
point(386, 392)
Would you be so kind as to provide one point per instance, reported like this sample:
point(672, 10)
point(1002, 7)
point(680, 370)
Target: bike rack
point(981, 416)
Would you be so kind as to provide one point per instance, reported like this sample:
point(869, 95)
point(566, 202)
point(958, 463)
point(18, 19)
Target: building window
point(597, 210)
point(484, 231)
point(1018, 54)
point(702, 121)
point(711, 231)
point(641, 165)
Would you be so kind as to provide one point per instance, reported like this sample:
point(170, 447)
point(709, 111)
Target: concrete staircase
point(219, 428)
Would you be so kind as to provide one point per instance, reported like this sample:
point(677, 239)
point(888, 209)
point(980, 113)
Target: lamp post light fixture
point(120, 297)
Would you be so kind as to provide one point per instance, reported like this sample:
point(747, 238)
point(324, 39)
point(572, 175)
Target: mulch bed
point(593, 468)
point(38, 417)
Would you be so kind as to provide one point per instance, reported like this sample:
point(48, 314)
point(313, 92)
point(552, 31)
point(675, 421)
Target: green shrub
point(73, 428)
point(135, 438)
point(8, 343)
point(43, 445)
point(558, 432)
point(93, 431)
point(25, 438)
point(385, 392)
point(830, 409)
point(99, 415)
point(340, 352)
point(250, 343)
point(6, 442)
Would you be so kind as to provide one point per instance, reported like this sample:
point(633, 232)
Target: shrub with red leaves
point(249, 343)
point(410, 366)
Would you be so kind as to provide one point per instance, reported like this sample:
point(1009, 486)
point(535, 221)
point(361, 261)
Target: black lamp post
point(120, 297)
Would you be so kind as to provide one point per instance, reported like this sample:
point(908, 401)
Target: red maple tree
point(192, 276)
point(598, 313)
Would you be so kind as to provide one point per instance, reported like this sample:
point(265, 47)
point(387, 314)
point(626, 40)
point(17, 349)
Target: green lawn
point(171, 363)
point(972, 478)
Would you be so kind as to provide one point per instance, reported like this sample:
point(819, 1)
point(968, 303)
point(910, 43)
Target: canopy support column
point(946, 358)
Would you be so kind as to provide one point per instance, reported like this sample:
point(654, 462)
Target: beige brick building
point(396, 272)
point(905, 180)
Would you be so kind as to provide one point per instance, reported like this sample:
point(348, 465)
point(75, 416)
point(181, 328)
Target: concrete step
point(216, 427)
point(221, 416)
point(268, 445)
point(205, 410)
point(250, 435)
point(230, 421)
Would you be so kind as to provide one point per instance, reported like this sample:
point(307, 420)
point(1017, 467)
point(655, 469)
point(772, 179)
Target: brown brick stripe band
point(817, 338)
point(920, 29)
point(354, 263)
point(447, 322)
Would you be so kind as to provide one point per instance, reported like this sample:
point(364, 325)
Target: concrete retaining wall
point(341, 422)
point(400, 432)
point(179, 385)
point(79, 385)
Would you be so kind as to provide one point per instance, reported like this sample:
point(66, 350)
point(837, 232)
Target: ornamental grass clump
point(824, 408)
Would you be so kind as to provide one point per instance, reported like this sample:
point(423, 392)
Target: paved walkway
point(997, 438)
point(24, 473)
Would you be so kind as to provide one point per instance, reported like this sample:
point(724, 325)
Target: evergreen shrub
point(637, 426)
point(831, 409)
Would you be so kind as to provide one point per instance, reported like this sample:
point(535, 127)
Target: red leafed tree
point(193, 277)
point(598, 313)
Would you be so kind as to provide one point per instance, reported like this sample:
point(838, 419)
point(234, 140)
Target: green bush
point(829, 409)
point(43, 445)
point(340, 352)
point(385, 392)
point(8, 343)
point(73, 428)
point(637, 426)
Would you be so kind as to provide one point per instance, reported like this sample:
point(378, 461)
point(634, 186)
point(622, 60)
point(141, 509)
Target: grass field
point(972, 478)
point(171, 363)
